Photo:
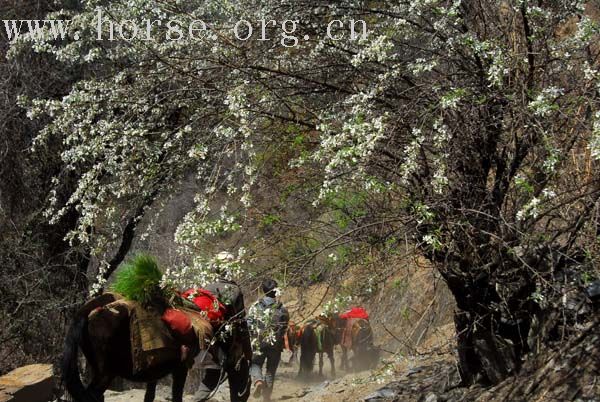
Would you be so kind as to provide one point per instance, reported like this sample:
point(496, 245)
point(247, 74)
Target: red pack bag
point(177, 321)
point(208, 303)
point(355, 312)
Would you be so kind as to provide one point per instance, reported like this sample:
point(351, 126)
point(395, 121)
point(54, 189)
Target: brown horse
point(357, 336)
point(102, 330)
point(318, 336)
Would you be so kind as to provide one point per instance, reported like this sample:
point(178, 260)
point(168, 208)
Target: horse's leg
point(179, 377)
point(96, 355)
point(239, 381)
point(294, 356)
point(306, 363)
point(98, 385)
point(349, 359)
point(344, 358)
point(150, 391)
point(320, 364)
point(331, 361)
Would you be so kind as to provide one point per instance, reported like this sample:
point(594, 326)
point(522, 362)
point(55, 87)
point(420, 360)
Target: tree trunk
point(484, 356)
point(491, 339)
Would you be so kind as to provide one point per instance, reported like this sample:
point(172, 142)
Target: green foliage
point(588, 277)
point(299, 140)
point(453, 96)
point(139, 279)
point(422, 212)
point(315, 277)
point(269, 220)
point(400, 285)
point(393, 246)
point(347, 206)
point(405, 313)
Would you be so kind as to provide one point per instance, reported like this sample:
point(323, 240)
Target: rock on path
point(33, 383)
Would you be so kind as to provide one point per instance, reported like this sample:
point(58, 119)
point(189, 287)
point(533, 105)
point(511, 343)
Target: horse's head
point(340, 322)
point(336, 325)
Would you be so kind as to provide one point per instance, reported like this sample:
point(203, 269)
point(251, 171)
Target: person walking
point(268, 321)
point(233, 341)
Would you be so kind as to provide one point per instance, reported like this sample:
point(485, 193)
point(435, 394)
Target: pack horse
point(122, 339)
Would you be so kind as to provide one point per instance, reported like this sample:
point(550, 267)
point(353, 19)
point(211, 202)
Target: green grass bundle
point(139, 279)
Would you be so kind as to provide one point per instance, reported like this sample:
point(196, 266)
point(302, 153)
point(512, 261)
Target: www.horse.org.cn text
point(285, 32)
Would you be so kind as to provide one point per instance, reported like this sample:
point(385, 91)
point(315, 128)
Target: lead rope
point(222, 379)
point(223, 375)
point(248, 380)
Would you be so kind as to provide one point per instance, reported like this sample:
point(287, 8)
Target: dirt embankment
point(410, 314)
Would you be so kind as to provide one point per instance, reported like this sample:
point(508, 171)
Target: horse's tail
point(319, 335)
point(69, 366)
point(308, 349)
point(327, 340)
point(366, 352)
point(364, 336)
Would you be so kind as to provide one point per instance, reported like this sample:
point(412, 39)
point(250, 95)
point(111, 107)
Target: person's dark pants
point(271, 356)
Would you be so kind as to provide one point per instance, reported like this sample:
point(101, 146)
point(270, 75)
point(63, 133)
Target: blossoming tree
point(472, 126)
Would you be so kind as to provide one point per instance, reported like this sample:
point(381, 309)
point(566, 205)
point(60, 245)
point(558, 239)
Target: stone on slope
point(33, 383)
point(381, 394)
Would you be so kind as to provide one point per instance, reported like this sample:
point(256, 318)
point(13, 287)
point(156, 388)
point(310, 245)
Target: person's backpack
point(208, 303)
point(279, 321)
point(280, 316)
point(276, 324)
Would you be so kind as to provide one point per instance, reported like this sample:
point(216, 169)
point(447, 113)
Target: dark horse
point(318, 336)
point(357, 336)
point(103, 333)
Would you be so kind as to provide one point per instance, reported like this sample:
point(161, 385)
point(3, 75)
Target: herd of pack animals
point(107, 327)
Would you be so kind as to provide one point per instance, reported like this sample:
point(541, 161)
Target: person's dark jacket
point(230, 295)
point(278, 323)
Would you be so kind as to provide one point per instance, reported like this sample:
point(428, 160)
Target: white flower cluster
point(411, 152)
point(337, 305)
point(347, 149)
point(594, 144)
point(432, 240)
point(205, 270)
point(532, 208)
point(373, 50)
point(551, 161)
point(98, 285)
point(543, 104)
point(497, 69)
point(420, 66)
